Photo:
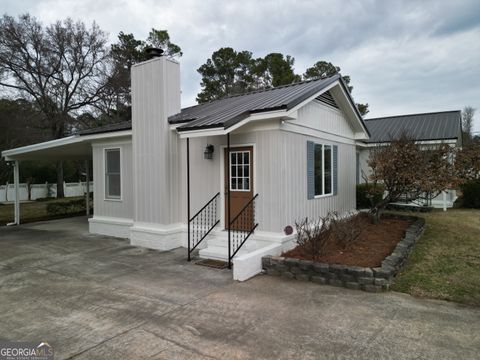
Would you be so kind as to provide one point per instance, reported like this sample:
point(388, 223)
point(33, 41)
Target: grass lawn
point(31, 211)
point(445, 263)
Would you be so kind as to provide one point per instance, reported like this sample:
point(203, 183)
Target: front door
point(241, 187)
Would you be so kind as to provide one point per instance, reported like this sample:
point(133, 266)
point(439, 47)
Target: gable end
point(327, 98)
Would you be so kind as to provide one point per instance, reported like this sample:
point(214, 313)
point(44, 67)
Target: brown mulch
point(375, 243)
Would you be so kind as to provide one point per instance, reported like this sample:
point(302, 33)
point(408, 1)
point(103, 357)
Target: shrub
point(66, 207)
point(471, 194)
point(313, 236)
point(364, 195)
point(346, 229)
point(44, 199)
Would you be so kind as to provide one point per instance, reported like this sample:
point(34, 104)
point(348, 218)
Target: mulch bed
point(375, 243)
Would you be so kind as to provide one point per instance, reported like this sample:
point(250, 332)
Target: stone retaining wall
point(352, 277)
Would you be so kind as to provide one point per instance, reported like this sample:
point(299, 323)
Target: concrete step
point(217, 246)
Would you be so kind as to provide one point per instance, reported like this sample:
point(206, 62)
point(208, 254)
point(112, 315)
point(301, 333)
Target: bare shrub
point(313, 236)
point(346, 229)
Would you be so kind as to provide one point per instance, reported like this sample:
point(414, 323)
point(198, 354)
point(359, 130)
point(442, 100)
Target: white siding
point(296, 205)
point(155, 96)
point(364, 168)
point(113, 208)
point(326, 119)
point(280, 176)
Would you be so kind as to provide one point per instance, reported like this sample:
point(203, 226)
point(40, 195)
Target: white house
point(226, 177)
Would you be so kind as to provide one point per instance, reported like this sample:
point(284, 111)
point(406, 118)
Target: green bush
point(44, 199)
point(471, 194)
point(66, 207)
point(363, 190)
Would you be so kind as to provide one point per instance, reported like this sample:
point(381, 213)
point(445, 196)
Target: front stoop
point(217, 246)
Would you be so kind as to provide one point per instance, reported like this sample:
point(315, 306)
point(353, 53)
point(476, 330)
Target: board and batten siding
point(296, 203)
point(155, 96)
point(122, 208)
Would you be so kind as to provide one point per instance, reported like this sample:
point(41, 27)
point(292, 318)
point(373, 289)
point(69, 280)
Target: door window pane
point(240, 171)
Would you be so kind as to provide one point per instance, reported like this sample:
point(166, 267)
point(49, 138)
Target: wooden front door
point(241, 187)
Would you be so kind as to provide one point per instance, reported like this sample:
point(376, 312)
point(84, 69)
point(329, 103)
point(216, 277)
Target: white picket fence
point(7, 192)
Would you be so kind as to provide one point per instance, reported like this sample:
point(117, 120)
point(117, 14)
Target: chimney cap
point(153, 52)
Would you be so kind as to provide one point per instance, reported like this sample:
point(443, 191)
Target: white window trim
point(323, 170)
point(243, 177)
point(105, 198)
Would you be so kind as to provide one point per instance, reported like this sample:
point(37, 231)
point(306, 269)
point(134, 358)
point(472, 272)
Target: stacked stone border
point(353, 277)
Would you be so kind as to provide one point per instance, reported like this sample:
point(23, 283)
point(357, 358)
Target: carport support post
point(87, 174)
point(228, 201)
point(16, 182)
point(188, 196)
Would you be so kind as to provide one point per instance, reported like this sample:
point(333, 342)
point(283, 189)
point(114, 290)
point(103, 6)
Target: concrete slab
point(95, 297)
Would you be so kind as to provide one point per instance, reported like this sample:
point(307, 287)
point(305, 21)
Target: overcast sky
point(402, 56)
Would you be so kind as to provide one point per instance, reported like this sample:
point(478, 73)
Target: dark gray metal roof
point(427, 126)
point(226, 112)
point(124, 125)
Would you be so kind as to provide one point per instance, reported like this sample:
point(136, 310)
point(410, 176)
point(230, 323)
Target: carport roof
point(73, 147)
point(444, 125)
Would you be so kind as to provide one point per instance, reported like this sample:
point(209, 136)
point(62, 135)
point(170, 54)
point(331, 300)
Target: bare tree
point(467, 162)
point(467, 124)
point(62, 68)
point(406, 170)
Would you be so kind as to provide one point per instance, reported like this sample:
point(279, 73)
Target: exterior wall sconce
point(208, 153)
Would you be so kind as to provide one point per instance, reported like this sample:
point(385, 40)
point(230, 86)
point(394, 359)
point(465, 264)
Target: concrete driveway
point(95, 297)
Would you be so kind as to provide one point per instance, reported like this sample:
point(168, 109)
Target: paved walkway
point(95, 297)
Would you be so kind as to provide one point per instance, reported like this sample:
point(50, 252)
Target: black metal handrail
point(202, 223)
point(240, 228)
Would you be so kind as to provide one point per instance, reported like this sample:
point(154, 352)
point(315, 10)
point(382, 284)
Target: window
point(240, 170)
point(112, 174)
point(323, 174)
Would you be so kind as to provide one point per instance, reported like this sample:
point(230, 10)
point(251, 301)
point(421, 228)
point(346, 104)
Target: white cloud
point(403, 56)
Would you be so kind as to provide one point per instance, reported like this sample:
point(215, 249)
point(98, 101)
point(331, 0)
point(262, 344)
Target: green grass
point(31, 211)
point(445, 263)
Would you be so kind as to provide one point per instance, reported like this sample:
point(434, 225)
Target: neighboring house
point(428, 129)
point(293, 145)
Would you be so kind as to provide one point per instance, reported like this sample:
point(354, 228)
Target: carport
point(75, 147)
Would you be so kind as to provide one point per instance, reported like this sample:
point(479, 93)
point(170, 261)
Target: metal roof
point(124, 125)
point(228, 111)
point(427, 126)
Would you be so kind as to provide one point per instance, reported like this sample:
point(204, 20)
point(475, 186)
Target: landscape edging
point(353, 277)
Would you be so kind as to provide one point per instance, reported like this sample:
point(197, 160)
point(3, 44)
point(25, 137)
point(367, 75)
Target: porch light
point(208, 153)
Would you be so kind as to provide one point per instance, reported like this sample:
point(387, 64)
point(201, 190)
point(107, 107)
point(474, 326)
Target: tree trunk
point(60, 192)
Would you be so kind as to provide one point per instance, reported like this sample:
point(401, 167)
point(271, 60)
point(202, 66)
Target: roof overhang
point(347, 103)
point(75, 147)
point(217, 131)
